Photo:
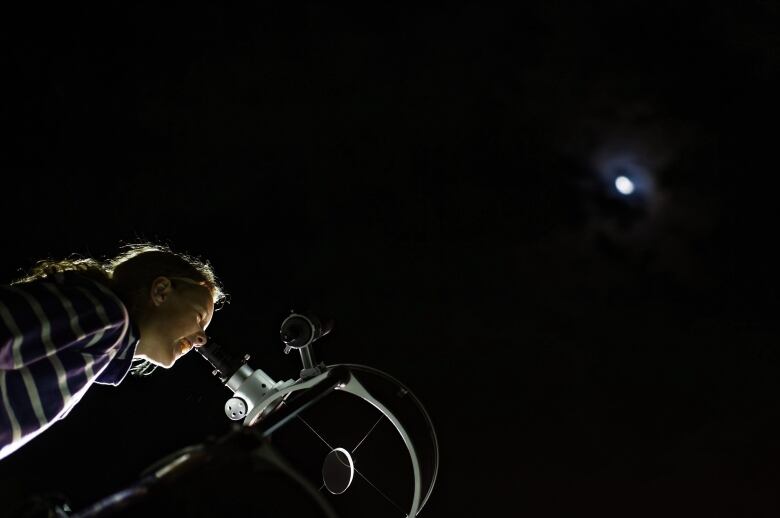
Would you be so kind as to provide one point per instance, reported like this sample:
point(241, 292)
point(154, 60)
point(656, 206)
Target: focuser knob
point(235, 408)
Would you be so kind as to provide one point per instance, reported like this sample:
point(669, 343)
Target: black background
point(429, 178)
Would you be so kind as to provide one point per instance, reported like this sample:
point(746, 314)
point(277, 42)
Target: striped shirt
point(58, 336)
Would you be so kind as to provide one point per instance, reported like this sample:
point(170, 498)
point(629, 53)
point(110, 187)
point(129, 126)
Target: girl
point(72, 323)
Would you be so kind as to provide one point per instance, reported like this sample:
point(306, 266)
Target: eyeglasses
point(217, 304)
point(189, 281)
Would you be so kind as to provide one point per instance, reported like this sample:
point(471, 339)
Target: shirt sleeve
point(44, 318)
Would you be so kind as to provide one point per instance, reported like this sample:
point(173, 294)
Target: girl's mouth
point(184, 346)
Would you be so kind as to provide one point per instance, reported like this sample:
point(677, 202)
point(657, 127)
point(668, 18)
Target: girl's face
point(178, 312)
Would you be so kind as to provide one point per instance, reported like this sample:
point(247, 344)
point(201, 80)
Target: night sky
point(442, 183)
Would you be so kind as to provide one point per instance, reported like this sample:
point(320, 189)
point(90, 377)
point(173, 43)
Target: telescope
point(341, 440)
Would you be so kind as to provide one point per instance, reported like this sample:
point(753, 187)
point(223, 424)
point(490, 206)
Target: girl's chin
point(164, 361)
point(167, 365)
point(159, 356)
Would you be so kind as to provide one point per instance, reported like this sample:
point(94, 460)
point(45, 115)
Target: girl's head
point(170, 297)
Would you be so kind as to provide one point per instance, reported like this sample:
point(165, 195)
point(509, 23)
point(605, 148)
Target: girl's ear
point(160, 290)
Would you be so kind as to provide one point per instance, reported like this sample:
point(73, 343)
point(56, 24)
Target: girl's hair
point(131, 273)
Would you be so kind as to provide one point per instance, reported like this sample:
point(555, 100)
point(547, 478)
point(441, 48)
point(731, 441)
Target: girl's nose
point(200, 340)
